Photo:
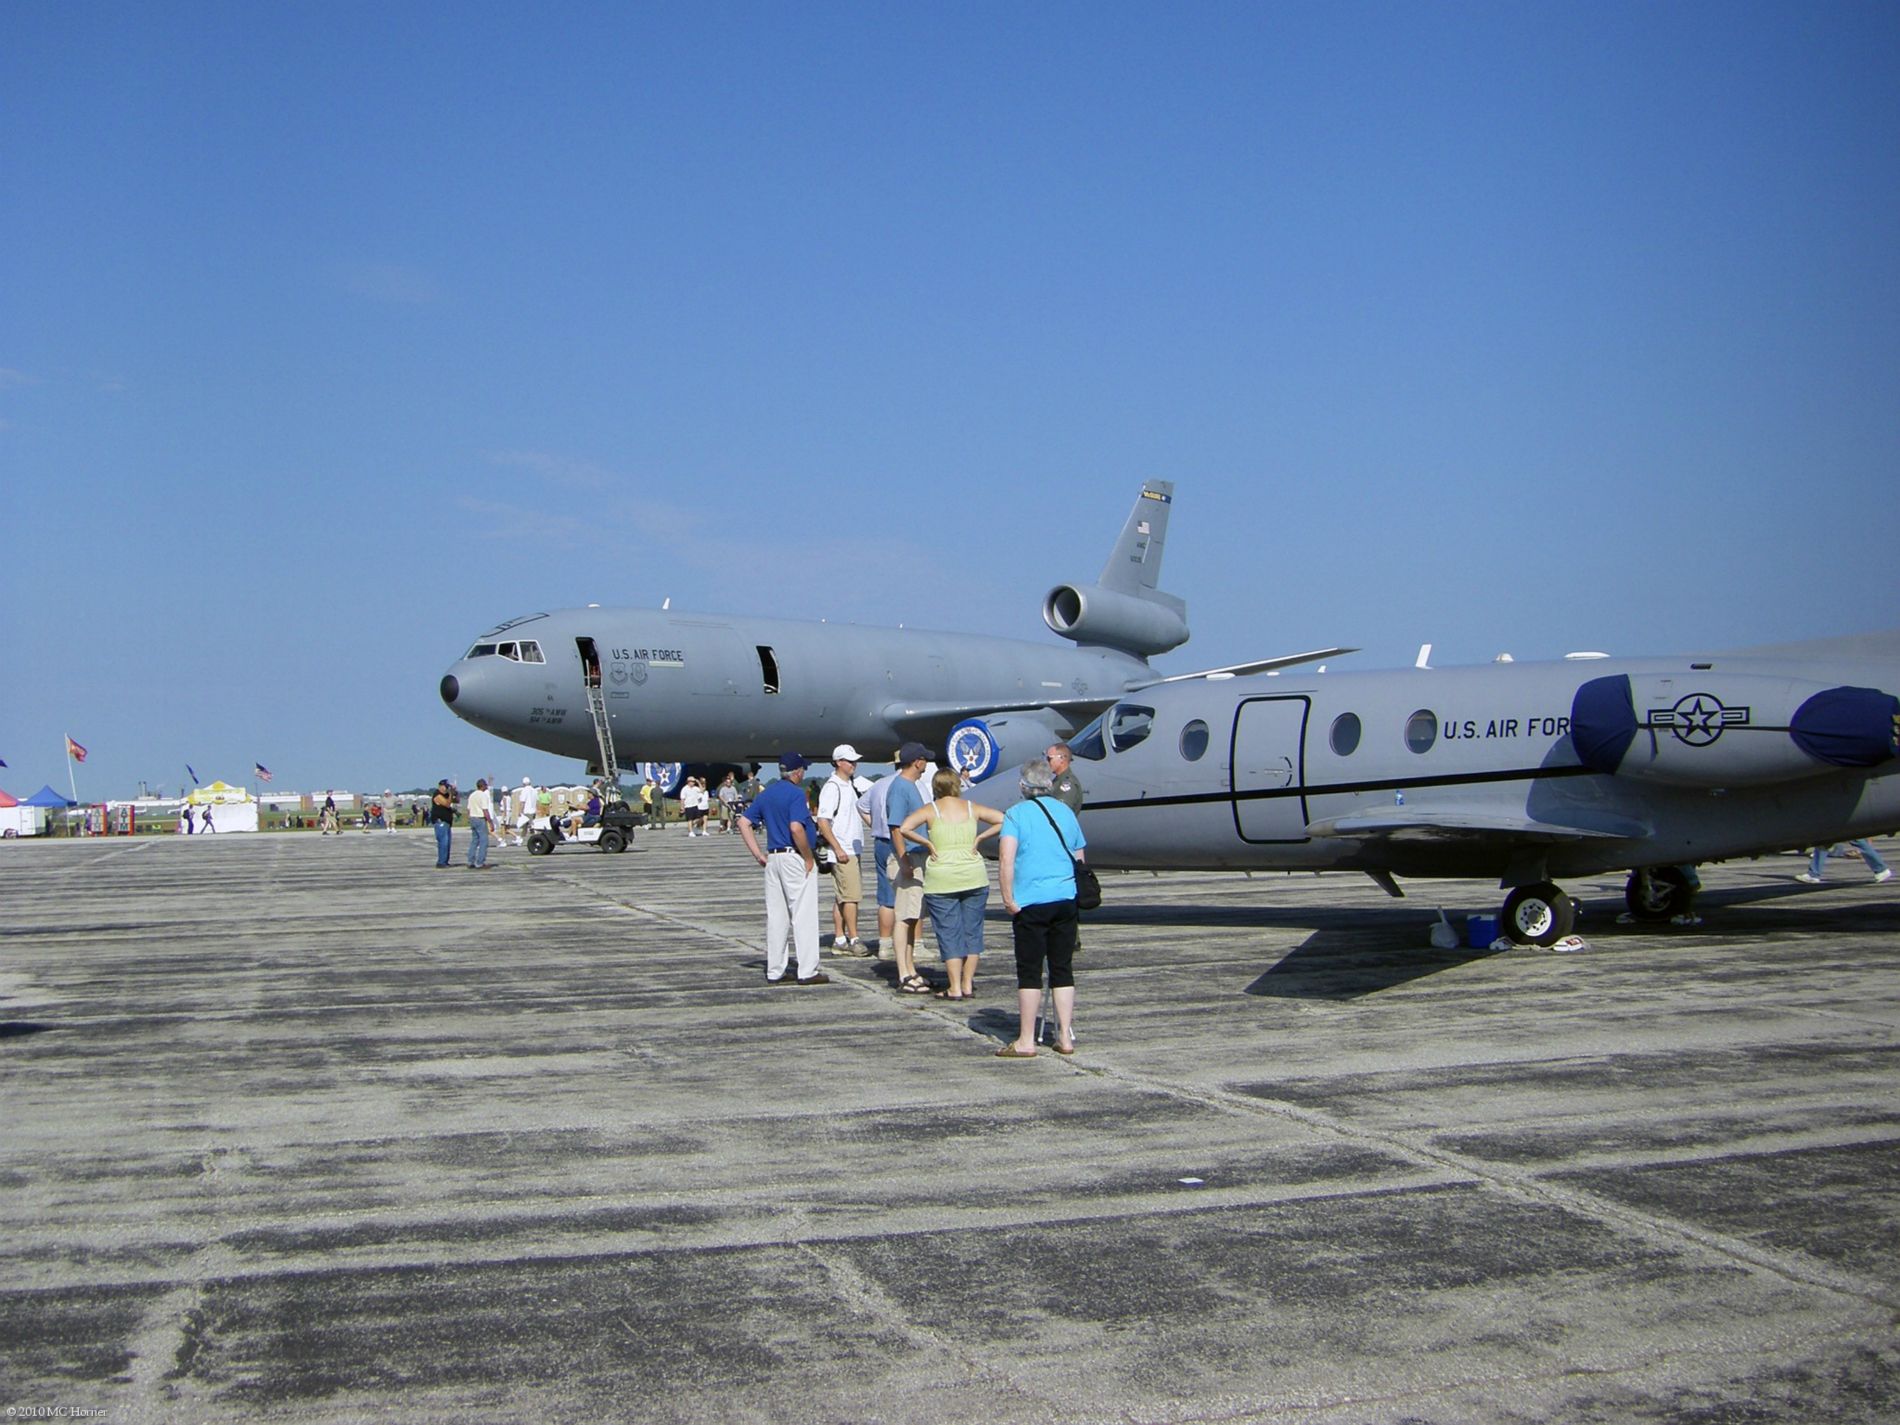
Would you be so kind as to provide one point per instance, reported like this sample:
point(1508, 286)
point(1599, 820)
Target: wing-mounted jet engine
point(1729, 730)
point(1123, 609)
point(979, 747)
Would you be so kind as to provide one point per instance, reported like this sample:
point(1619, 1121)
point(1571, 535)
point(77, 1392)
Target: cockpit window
point(1087, 744)
point(1128, 724)
point(523, 652)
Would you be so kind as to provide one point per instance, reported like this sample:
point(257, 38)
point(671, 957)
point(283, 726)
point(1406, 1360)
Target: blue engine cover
point(973, 749)
point(667, 776)
point(1848, 727)
point(1603, 722)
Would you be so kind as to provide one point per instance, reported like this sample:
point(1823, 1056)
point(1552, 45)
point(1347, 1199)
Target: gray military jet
point(1526, 772)
point(706, 691)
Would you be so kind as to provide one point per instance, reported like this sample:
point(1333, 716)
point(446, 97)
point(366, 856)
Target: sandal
point(915, 985)
point(945, 994)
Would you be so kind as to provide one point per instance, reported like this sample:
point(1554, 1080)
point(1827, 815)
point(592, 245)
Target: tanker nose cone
point(451, 690)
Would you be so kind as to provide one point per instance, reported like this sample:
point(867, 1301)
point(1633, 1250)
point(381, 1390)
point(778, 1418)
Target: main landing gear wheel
point(1658, 893)
point(1538, 914)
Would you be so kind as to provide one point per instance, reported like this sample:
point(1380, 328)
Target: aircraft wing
point(1453, 824)
point(930, 723)
point(1241, 670)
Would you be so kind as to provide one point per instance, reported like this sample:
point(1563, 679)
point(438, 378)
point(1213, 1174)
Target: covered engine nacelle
point(980, 747)
point(1737, 730)
point(1143, 626)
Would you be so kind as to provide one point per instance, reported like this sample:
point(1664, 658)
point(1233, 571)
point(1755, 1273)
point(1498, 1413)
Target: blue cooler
point(1480, 931)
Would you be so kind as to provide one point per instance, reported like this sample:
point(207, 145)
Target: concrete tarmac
point(302, 1128)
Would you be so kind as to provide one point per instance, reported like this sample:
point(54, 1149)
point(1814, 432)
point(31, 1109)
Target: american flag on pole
point(74, 750)
point(263, 772)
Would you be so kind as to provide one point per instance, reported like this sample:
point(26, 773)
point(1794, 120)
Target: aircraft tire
point(1658, 893)
point(1538, 914)
point(610, 842)
point(540, 843)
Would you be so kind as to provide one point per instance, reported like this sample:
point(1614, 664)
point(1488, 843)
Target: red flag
point(75, 751)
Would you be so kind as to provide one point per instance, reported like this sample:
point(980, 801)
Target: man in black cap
point(791, 873)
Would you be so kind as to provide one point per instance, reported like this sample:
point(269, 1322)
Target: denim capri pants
point(957, 917)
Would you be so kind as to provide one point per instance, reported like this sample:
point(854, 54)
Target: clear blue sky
point(332, 334)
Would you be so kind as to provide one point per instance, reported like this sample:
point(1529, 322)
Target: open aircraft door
point(1269, 769)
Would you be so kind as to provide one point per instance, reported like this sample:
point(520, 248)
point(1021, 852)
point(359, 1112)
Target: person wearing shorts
point(842, 828)
point(872, 806)
point(907, 871)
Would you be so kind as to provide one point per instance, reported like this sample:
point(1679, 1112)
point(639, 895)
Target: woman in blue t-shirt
point(1036, 856)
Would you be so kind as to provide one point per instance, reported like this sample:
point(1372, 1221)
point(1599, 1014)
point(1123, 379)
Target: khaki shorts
point(908, 889)
point(846, 882)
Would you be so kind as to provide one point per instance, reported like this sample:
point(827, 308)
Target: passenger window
point(531, 653)
point(1345, 738)
point(1087, 744)
point(1421, 730)
point(482, 650)
point(1129, 725)
point(1194, 740)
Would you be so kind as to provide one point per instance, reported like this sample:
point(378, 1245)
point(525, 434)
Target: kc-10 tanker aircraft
point(1525, 772)
point(620, 685)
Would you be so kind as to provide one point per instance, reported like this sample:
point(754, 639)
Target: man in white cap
point(843, 831)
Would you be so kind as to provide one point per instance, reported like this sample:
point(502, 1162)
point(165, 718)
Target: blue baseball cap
point(791, 762)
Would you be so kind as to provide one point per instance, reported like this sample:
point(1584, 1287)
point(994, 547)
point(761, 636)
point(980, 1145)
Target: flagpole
point(71, 783)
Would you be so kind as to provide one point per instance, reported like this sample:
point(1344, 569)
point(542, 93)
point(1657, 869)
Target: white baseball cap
point(845, 752)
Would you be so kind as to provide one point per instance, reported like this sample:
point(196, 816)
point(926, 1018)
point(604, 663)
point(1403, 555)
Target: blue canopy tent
point(47, 797)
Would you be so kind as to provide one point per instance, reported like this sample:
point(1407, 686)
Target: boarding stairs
point(597, 705)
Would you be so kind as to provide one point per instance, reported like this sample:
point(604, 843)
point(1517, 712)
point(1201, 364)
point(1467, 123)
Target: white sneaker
point(1808, 879)
point(1885, 874)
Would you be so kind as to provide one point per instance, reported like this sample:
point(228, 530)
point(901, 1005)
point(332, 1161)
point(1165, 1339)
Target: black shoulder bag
point(1088, 888)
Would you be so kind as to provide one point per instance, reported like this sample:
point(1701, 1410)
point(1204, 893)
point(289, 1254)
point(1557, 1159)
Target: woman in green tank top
point(956, 882)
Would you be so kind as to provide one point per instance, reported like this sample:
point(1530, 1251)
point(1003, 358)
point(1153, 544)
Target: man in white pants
point(524, 811)
point(791, 872)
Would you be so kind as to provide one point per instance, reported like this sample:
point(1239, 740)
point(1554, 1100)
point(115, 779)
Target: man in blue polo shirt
point(791, 875)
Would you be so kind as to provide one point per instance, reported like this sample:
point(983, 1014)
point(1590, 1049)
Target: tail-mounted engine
point(1731, 731)
point(1143, 625)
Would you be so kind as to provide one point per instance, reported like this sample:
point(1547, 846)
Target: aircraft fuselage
point(1471, 771)
point(702, 687)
